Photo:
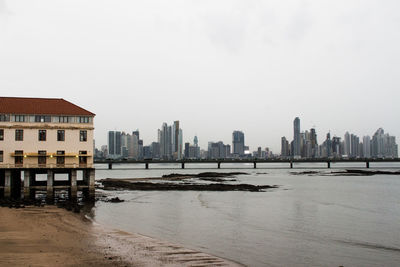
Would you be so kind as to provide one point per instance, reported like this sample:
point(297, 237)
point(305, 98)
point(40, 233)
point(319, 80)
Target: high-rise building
point(177, 140)
point(336, 147)
point(171, 141)
point(383, 145)
point(118, 144)
point(354, 146)
point(111, 143)
point(284, 147)
point(155, 150)
point(314, 143)
point(136, 133)
point(218, 150)
point(296, 138)
point(347, 144)
point(164, 138)
point(124, 145)
point(147, 152)
point(114, 144)
point(366, 146)
point(187, 150)
point(238, 143)
point(140, 149)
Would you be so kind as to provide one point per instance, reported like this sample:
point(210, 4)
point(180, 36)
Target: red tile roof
point(40, 106)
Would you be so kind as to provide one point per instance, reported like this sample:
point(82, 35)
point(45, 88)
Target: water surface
point(309, 221)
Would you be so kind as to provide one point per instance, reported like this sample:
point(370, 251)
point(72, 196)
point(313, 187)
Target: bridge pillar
point(183, 165)
point(367, 164)
point(219, 165)
point(147, 165)
point(255, 165)
point(291, 165)
point(110, 166)
point(329, 164)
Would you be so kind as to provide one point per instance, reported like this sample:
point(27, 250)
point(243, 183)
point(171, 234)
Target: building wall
point(31, 144)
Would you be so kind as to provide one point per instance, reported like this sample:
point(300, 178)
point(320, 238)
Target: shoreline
point(51, 236)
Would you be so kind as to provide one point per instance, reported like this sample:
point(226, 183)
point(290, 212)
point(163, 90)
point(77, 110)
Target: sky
point(216, 66)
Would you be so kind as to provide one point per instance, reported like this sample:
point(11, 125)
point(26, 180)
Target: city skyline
point(304, 144)
point(274, 147)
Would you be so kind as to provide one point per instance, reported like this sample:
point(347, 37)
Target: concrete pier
point(73, 184)
point(7, 184)
point(49, 185)
point(27, 184)
point(11, 184)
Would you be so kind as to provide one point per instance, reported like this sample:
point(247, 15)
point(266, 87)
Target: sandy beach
point(50, 236)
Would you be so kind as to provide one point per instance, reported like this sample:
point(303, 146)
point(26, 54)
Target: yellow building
point(44, 135)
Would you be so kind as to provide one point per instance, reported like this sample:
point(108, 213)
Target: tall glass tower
point(238, 143)
point(296, 138)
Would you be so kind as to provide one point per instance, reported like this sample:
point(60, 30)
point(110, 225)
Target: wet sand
point(50, 236)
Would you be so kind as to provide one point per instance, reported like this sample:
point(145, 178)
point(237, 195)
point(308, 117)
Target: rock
point(116, 200)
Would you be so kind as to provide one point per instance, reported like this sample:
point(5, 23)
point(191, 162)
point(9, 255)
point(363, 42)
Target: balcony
point(47, 166)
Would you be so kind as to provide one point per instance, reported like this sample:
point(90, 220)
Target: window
point(42, 119)
point(83, 119)
point(60, 157)
point(1, 155)
point(19, 118)
point(19, 135)
point(4, 117)
point(19, 157)
point(61, 135)
point(1, 134)
point(83, 136)
point(83, 157)
point(42, 157)
point(42, 135)
point(63, 119)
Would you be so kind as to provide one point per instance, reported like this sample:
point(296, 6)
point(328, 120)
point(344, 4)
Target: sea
point(314, 217)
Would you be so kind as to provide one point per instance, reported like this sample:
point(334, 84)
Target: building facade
point(42, 134)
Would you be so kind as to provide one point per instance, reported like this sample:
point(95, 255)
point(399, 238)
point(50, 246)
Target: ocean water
point(310, 220)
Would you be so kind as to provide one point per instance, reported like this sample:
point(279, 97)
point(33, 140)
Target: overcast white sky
point(215, 65)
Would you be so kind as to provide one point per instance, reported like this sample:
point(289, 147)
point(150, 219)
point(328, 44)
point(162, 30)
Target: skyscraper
point(383, 145)
point(171, 141)
point(296, 138)
point(164, 141)
point(284, 147)
point(114, 144)
point(314, 143)
point(118, 144)
point(111, 143)
point(347, 144)
point(366, 146)
point(238, 143)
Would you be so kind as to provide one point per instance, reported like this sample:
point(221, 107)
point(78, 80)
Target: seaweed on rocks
point(305, 173)
point(351, 172)
point(204, 175)
point(148, 186)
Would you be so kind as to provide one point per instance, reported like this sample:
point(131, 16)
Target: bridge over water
point(291, 162)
